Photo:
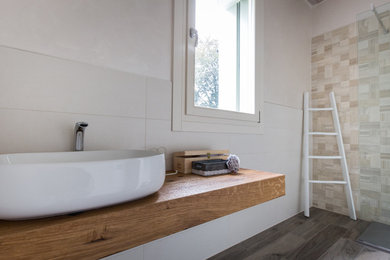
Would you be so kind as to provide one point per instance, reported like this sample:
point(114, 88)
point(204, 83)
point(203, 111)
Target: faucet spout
point(79, 130)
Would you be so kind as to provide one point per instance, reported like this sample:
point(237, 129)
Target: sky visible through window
point(215, 55)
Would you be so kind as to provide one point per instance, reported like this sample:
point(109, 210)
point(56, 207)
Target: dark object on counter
point(210, 165)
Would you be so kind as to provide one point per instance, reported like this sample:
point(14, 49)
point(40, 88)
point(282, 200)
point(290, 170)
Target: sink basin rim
point(72, 157)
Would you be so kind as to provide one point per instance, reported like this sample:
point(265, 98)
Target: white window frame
point(188, 117)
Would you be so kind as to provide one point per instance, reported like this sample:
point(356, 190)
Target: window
point(223, 77)
point(217, 74)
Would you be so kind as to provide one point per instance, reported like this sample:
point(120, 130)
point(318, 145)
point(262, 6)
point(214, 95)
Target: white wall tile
point(273, 140)
point(158, 99)
point(279, 116)
point(282, 132)
point(114, 133)
point(196, 243)
point(133, 36)
point(282, 140)
point(282, 162)
point(136, 253)
point(248, 222)
point(245, 144)
point(287, 52)
point(253, 161)
point(36, 131)
point(38, 82)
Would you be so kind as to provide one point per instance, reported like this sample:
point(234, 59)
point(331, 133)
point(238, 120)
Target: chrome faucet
point(79, 130)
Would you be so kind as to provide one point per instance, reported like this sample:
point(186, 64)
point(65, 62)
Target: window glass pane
point(223, 69)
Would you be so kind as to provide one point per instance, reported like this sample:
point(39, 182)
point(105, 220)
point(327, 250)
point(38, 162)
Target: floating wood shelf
point(183, 202)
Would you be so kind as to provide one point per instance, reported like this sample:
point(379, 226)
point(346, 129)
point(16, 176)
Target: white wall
point(287, 60)
point(133, 36)
point(333, 14)
point(109, 63)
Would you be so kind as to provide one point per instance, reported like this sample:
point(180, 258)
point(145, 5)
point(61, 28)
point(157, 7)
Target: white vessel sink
point(34, 185)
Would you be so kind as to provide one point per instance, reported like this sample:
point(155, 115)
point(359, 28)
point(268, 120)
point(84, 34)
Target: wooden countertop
point(183, 202)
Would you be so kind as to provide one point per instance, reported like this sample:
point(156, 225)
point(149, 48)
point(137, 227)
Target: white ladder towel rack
point(341, 156)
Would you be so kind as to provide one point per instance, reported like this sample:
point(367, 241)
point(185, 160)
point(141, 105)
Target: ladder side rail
point(306, 177)
point(340, 144)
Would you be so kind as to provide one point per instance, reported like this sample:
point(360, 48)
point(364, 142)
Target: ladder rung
point(328, 182)
point(321, 109)
point(322, 133)
point(324, 157)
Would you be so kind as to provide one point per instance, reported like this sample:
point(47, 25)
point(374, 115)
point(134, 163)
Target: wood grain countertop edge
point(101, 232)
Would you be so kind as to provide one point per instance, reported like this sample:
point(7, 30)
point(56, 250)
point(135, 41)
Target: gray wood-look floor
point(325, 235)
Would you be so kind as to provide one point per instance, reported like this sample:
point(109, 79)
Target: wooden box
point(182, 161)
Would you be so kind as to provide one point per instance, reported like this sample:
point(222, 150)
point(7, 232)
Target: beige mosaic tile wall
point(374, 106)
point(354, 62)
point(334, 68)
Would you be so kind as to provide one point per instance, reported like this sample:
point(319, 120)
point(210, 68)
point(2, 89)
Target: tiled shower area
point(374, 115)
point(354, 62)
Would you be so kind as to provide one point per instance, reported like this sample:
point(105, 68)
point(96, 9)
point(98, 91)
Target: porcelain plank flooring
point(348, 249)
point(319, 244)
point(325, 235)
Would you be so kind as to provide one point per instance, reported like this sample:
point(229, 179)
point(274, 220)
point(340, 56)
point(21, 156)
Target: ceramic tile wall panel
point(113, 34)
point(25, 131)
point(374, 113)
point(334, 68)
point(32, 81)
point(285, 30)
